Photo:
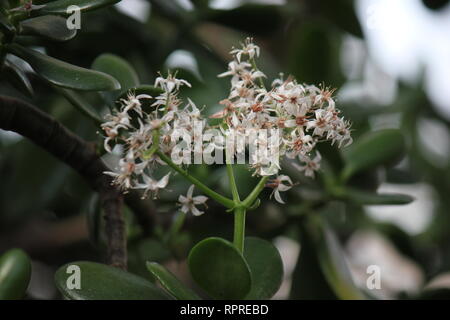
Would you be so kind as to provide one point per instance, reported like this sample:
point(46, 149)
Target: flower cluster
point(141, 132)
point(295, 117)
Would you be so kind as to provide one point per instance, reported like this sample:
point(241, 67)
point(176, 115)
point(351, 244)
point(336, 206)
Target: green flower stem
point(239, 228)
point(209, 192)
point(251, 198)
point(261, 82)
point(232, 180)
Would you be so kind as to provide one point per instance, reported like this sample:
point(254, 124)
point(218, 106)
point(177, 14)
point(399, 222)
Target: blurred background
point(390, 63)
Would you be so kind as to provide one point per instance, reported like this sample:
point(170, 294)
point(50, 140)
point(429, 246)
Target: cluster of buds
point(294, 116)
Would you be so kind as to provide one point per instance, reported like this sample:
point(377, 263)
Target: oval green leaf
point(342, 14)
point(102, 282)
point(267, 276)
point(63, 74)
point(17, 78)
point(331, 258)
point(60, 6)
point(119, 69)
point(367, 198)
point(219, 269)
point(15, 274)
point(373, 149)
point(49, 27)
point(174, 286)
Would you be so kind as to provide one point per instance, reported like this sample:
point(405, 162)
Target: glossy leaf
point(102, 282)
point(341, 13)
point(308, 280)
point(49, 27)
point(17, 78)
point(82, 105)
point(174, 286)
point(252, 18)
point(266, 268)
point(219, 269)
point(332, 262)
point(15, 274)
point(119, 69)
point(367, 198)
point(64, 74)
point(314, 52)
point(147, 249)
point(327, 251)
point(373, 149)
point(60, 6)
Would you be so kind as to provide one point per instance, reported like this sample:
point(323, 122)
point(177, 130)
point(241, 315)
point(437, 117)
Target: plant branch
point(251, 198)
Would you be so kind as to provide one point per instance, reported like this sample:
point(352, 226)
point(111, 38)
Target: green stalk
point(209, 192)
point(239, 228)
point(251, 198)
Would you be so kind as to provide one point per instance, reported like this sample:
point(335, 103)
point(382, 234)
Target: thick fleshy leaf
point(373, 149)
point(60, 6)
point(367, 198)
point(15, 274)
point(252, 18)
point(17, 78)
point(330, 257)
point(102, 282)
point(148, 249)
point(314, 53)
point(308, 280)
point(220, 269)
point(341, 13)
point(49, 27)
point(63, 74)
point(119, 69)
point(174, 286)
point(332, 262)
point(266, 276)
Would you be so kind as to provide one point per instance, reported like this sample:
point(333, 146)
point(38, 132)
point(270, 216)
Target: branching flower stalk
point(286, 120)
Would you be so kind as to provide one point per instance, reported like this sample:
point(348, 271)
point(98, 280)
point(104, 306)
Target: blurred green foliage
point(301, 38)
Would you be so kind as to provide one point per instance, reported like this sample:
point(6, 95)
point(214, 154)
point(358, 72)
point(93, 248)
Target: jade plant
point(155, 133)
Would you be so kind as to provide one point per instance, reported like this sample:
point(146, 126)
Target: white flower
point(248, 48)
point(152, 185)
point(280, 184)
point(189, 202)
point(322, 122)
point(310, 165)
point(127, 167)
point(133, 102)
point(170, 83)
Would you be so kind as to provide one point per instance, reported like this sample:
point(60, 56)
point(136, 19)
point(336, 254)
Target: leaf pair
point(224, 273)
